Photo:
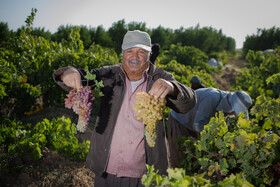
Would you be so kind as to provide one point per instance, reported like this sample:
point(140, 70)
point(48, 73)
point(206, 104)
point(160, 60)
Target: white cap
point(137, 38)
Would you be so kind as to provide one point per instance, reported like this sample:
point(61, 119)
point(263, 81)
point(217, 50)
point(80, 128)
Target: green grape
point(150, 110)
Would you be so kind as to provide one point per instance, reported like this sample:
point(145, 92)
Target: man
point(118, 151)
point(209, 101)
point(196, 83)
point(155, 52)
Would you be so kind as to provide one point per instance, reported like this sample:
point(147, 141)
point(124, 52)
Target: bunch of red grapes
point(80, 100)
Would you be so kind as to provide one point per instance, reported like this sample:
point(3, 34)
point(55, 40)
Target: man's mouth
point(134, 62)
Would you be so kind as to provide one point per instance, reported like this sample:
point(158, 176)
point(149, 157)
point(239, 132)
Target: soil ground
point(52, 169)
point(227, 78)
point(56, 170)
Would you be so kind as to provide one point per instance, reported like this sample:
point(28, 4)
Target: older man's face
point(135, 62)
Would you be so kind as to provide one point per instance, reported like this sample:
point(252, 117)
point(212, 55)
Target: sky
point(236, 18)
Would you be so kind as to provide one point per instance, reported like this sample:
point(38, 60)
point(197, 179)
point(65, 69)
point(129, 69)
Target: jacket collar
point(153, 70)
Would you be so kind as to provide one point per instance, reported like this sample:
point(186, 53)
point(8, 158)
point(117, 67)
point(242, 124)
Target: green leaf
point(90, 76)
point(223, 166)
point(219, 143)
point(176, 174)
point(268, 124)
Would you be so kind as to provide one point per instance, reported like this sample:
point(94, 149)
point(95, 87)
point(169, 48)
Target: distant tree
point(41, 32)
point(92, 32)
point(264, 39)
point(186, 38)
point(62, 33)
point(137, 26)
point(116, 33)
point(85, 36)
point(161, 36)
point(102, 37)
point(230, 44)
point(4, 32)
point(206, 39)
point(203, 39)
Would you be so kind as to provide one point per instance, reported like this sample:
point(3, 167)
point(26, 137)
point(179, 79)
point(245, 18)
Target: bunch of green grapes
point(150, 110)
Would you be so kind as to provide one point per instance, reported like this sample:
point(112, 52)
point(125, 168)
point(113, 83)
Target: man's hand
point(72, 78)
point(161, 88)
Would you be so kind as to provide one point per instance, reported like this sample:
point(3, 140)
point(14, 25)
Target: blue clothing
point(209, 101)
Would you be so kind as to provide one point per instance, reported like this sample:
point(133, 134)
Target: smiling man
point(135, 62)
point(118, 151)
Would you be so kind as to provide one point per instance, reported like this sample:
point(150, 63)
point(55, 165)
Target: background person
point(155, 52)
point(209, 101)
point(196, 83)
point(118, 151)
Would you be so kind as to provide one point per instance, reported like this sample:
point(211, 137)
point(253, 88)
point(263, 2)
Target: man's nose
point(137, 54)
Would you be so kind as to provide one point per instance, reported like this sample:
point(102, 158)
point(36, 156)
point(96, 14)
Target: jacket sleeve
point(184, 100)
point(57, 77)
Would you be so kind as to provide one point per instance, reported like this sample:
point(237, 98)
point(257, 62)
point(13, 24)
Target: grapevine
point(80, 100)
point(150, 110)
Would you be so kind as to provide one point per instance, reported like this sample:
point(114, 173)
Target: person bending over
point(209, 101)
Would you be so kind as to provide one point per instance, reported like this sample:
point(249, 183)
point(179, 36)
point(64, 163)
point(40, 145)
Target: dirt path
point(229, 72)
point(55, 170)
